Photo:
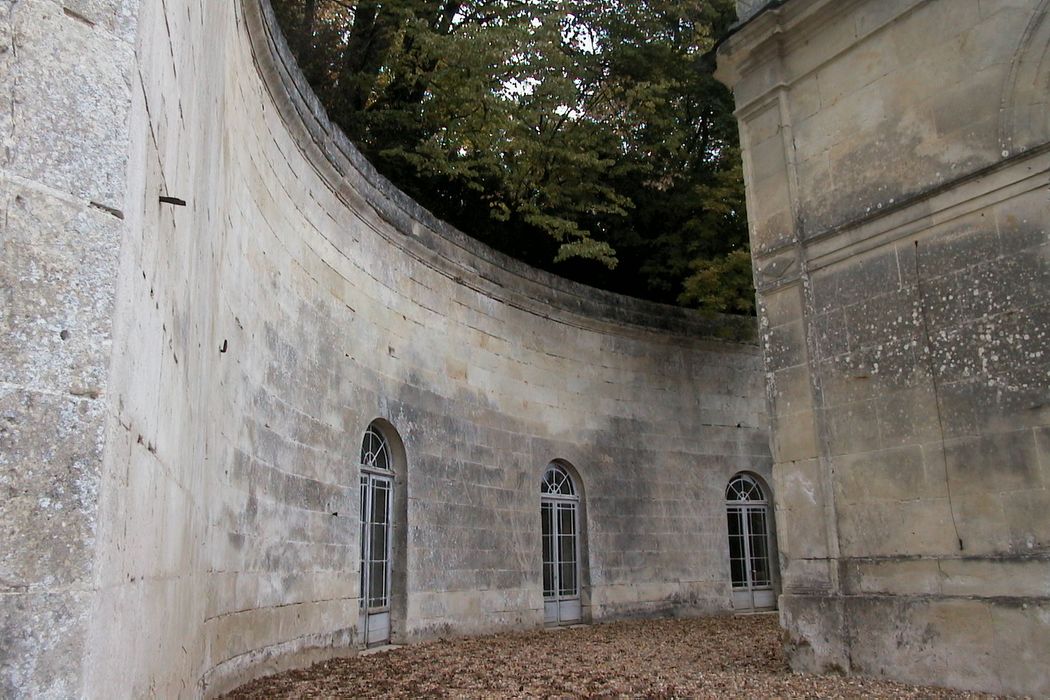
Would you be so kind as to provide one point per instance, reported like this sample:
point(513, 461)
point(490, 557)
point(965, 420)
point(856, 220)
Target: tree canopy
point(585, 137)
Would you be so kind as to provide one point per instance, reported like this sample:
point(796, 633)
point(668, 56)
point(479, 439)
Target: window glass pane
point(559, 532)
point(567, 549)
point(364, 544)
point(760, 571)
point(568, 579)
point(556, 481)
point(744, 488)
point(736, 524)
point(547, 517)
point(380, 501)
point(382, 458)
point(375, 537)
point(738, 572)
point(375, 452)
point(377, 584)
point(737, 552)
point(378, 544)
point(362, 570)
point(759, 549)
point(566, 519)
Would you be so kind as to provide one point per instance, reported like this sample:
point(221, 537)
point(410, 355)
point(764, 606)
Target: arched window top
point(743, 488)
point(557, 482)
point(375, 451)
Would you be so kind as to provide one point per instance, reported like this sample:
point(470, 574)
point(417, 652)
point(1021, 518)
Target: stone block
point(58, 261)
point(1021, 634)
point(1025, 512)
point(745, 9)
point(799, 575)
point(863, 64)
point(893, 528)
point(993, 463)
point(784, 345)
point(771, 229)
point(781, 307)
point(791, 522)
point(911, 416)
point(980, 127)
point(933, 23)
point(856, 280)
point(967, 242)
point(897, 474)
point(791, 391)
point(852, 427)
point(804, 99)
point(796, 437)
point(1023, 578)
point(49, 473)
point(889, 577)
point(883, 319)
point(814, 638)
point(118, 17)
point(981, 523)
point(81, 151)
point(1042, 441)
point(1022, 225)
point(43, 642)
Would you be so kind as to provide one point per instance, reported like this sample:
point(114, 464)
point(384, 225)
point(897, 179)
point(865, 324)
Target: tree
point(586, 137)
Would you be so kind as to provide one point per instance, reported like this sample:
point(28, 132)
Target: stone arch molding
point(1025, 106)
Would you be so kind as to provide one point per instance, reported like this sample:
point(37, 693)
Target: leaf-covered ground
point(714, 657)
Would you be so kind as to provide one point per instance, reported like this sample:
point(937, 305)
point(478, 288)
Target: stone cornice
point(435, 243)
point(957, 198)
point(759, 46)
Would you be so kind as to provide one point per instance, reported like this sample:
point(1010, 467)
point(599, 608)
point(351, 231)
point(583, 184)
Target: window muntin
point(747, 512)
point(559, 510)
point(557, 482)
point(745, 489)
point(375, 451)
point(377, 490)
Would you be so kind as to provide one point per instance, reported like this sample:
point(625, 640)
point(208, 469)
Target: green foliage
point(586, 137)
point(722, 284)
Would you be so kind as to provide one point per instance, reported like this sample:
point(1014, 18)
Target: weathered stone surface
point(909, 292)
point(58, 264)
point(184, 389)
point(50, 450)
point(73, 135)
point(42, 642)
point(63, 169)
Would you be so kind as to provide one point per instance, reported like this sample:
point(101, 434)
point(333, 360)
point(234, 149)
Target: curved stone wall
point(261, 327)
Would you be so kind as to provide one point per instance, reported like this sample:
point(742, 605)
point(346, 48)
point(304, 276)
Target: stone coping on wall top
point(439, 245)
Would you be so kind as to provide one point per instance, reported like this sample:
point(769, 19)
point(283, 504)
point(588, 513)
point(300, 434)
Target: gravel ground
point(713, 657)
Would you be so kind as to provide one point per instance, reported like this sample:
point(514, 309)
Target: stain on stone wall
point(209, 296)
point(899, 221)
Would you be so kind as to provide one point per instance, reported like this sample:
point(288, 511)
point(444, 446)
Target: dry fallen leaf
point(713, 657)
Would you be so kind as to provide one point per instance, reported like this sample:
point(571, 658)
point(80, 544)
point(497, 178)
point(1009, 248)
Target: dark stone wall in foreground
point(897, 165)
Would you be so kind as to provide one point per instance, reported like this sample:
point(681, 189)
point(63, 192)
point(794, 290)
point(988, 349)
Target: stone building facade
point(208, 299)
point(897, 159)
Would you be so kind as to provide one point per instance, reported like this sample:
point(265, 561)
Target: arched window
point(375, 451)
point(559, 508)
point(557, 482)
point(377, 506)
point(744, 488)
point(747, 510)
